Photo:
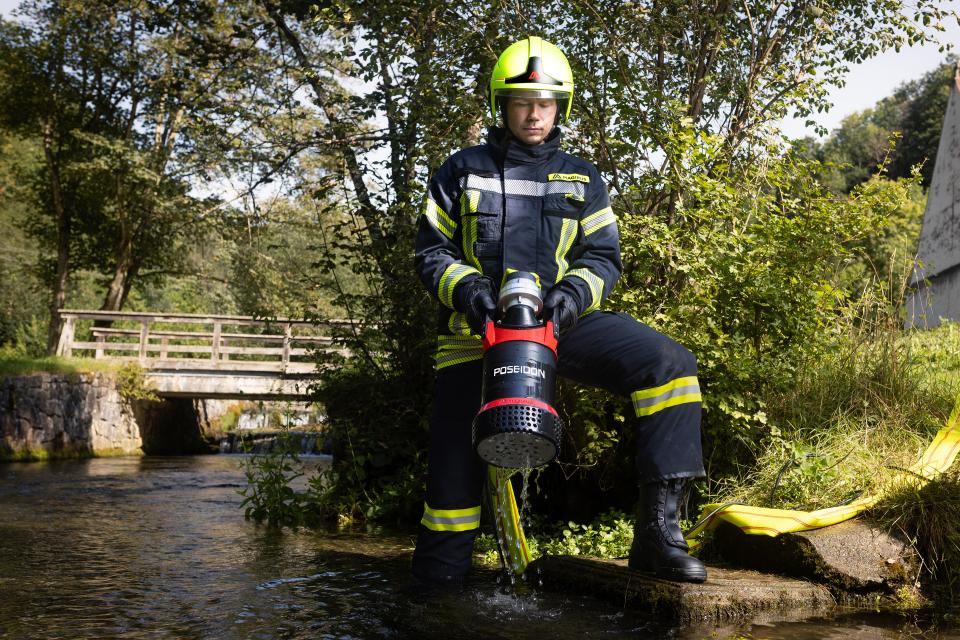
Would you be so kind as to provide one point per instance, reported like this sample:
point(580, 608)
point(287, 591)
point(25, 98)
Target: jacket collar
point(511, 151)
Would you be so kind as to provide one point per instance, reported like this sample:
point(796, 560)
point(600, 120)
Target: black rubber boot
point(658, 544)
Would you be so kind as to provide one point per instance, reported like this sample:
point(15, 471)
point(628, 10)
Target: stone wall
point(48, 415)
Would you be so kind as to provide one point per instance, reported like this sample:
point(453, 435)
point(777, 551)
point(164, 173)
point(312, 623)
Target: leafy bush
point(609, 536)
point(379, 451)
point(857, 414)
point(743, 272)
point(132, 383)
point(269, 495)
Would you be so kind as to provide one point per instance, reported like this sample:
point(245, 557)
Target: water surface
point(158, 548)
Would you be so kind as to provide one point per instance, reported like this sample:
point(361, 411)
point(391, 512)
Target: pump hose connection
point(517, 426)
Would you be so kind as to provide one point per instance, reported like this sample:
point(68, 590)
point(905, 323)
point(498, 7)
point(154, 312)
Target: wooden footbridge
point(208, 356)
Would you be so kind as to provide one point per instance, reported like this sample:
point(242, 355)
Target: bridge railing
point(191, 341)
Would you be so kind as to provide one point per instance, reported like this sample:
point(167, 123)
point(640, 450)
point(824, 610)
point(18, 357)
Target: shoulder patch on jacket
point(568, 177)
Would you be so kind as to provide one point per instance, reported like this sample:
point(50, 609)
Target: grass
point(11, 365)
point(854, 418)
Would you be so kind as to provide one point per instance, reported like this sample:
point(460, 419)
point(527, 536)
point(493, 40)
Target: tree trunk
point(63, 239)
point(114, 299)
point(123, 272)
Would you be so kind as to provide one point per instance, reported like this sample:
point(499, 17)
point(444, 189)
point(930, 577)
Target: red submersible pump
point(517, 426)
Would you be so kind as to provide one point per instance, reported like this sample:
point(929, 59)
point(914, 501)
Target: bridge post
point(65, 346)
point(144, 336)
point(287, 335)
point(215, 351)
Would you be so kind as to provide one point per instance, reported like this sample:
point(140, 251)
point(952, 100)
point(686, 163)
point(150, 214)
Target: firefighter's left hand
point(478, 301)
point(562, 305)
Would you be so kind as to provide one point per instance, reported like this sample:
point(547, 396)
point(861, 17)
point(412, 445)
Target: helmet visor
point(532, 94)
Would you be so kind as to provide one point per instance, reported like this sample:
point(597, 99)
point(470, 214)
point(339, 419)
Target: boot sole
point(673, 575)
point(679, 575)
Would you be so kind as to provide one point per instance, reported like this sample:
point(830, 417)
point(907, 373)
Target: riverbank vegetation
point(269, 158)
point(14, 363)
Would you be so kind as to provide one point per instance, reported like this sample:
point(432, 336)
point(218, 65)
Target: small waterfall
point(311, 442)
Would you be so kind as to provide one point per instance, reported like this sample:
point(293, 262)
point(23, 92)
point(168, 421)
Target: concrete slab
point(728, 594)
point(853, 558)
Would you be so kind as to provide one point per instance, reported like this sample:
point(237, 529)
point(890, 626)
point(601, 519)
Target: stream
point(157, 547)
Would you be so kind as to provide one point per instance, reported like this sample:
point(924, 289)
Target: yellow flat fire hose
point(513, 544)
point(937, 458)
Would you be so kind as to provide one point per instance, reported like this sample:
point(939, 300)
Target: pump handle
point(555, 316)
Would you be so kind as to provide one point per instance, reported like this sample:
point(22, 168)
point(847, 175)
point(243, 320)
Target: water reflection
point(158, 548)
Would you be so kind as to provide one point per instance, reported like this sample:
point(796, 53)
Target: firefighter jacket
point(504, 206)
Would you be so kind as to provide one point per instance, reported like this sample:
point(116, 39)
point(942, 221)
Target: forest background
point(269, 158)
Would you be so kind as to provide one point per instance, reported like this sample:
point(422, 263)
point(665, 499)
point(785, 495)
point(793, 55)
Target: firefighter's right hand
point(478, 301)
point(562, 305)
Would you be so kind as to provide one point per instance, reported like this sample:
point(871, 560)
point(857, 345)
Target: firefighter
point(518, 202)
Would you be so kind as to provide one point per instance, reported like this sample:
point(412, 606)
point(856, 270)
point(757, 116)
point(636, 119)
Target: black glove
point(477, 299)
point(562, 305)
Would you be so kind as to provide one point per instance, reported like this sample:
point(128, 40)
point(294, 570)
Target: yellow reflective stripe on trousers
point(450, 519)
point(677, 391)
point(937, 459)
point(438, 218)
point(507, 517)
point(448, 281)
point(568, 232)
point(594, 282)
point(598, 220)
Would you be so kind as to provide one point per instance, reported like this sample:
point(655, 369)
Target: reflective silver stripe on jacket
point(529, 188)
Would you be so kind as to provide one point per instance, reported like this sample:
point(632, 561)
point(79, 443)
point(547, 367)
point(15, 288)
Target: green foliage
point(138, 107)
point(29, 339)
point(854, 420)
point(269, 495)
point(609, 536)
point(885, 257)
point(281, 267)
point(23, 297)
point(13, 363)
point(132, 383)
point(856, 416)
point(379, 454)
